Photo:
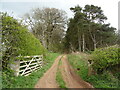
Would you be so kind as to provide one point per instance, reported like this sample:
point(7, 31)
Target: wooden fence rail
point(27, 65)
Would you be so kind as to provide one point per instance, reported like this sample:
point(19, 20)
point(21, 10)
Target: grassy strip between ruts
point(59, 78)
point(105, 80)
point(10, 81)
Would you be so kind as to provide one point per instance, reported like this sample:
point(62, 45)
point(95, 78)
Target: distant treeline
point(86, 31)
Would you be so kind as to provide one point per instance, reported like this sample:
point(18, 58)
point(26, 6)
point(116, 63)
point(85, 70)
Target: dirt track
point(48, 79)
point(71, 79)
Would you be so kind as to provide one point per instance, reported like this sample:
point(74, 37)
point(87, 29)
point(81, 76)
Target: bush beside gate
point(17, 41)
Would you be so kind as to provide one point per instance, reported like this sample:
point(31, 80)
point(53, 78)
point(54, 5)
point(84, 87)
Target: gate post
point(15, 65)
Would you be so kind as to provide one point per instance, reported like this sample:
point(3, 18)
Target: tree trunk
point(71, 46)
point(95, 45)
point(47, 43)
point(83, 37)
point(44, 43)
point(79, 42)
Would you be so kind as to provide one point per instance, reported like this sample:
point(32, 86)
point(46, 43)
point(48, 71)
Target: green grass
point(9, 81)
point(0, 80)
point(105, 80)
point(78, 62)
point(59, 78)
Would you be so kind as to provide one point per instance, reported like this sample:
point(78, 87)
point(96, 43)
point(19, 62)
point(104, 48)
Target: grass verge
point(80, 66)
point(105, 80)
point(59, 78)
point(9, 81)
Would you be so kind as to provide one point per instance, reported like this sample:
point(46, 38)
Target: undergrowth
point(79, 65)
point(103, 80)
point(10, 81)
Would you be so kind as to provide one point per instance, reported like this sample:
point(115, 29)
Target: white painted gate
point(27, 65)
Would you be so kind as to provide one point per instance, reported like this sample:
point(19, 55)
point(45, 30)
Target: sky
point(119, 17)
point(17, 8)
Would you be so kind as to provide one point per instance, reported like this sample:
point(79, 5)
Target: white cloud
point(110, 7)
point(29, 0)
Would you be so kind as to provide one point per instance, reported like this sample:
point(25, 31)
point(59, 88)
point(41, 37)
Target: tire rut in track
point(49, 78)
point(71, 79)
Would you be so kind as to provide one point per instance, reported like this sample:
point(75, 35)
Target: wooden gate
point(27, 65)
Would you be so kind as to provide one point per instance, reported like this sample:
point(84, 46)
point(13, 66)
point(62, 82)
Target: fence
point(27, 65)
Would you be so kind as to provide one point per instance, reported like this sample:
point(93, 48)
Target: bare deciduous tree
point(46, 24)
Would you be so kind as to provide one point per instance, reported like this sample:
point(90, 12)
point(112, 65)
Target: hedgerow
point(17, 40)
point(104, 58)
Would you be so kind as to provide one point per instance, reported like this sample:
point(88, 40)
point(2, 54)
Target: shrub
point(105, 57)
point(17, 40)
